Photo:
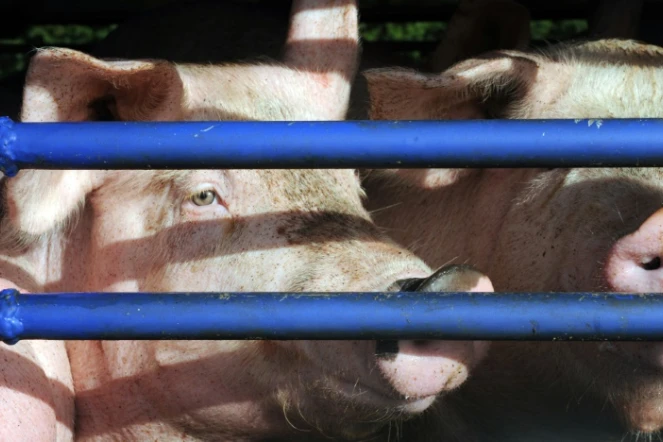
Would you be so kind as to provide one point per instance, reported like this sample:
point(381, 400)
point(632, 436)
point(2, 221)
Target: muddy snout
point(423, 368)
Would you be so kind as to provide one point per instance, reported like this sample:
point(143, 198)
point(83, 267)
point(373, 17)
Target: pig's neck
point(457, 223)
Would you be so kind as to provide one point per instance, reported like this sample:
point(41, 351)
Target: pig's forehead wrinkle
point(320, 226)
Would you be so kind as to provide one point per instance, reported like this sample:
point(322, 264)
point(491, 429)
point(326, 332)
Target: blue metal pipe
point(343, 144)
point(459, 316)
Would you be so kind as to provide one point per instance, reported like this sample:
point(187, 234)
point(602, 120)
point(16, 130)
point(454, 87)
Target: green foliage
point(66, 35)
point(547, 30)
point(412, 31)
point(13, 57)
point(11, 63)
point(541, 30)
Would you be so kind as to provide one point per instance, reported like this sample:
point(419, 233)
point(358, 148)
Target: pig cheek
point(186, 251)
point(203, 229)
point(196, 259)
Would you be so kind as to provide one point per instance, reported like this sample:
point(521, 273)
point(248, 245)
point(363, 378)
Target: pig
point(229, 230)
point(561, 230)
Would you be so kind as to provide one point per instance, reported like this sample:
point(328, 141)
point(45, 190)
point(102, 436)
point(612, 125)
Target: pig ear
point(40, 201)
point(479, 88)
point(67, 85)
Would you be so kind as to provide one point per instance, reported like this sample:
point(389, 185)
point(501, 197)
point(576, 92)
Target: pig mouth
point(362, 394)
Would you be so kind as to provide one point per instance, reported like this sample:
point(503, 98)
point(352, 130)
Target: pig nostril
point(409, 285)
point(386, 349)
point(652, 264)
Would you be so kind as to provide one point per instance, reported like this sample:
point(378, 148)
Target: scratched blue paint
point(499, 316)
point(340, 144)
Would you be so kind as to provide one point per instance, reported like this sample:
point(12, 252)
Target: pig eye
point(204, 198)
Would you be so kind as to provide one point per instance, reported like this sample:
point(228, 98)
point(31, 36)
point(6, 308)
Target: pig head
point(230, 230)
point(541, 229)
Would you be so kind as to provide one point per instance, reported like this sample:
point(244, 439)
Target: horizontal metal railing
point(363, 144)
point(322, 145)
point(457, 316)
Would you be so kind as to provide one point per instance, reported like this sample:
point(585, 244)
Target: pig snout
point(424, 368)
point(634, 265)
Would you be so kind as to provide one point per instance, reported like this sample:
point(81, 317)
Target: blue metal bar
point(459, 316)
point(343, 144)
